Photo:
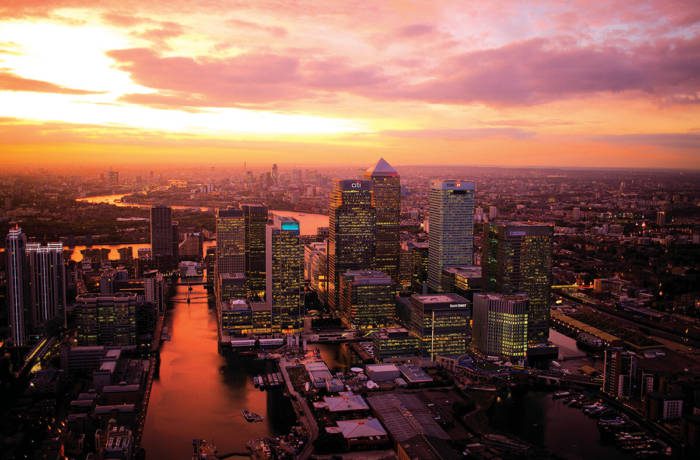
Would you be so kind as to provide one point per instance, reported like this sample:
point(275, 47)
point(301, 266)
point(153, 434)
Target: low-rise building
point(395, 343)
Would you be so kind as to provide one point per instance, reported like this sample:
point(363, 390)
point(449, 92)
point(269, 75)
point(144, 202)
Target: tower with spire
point(386, 199)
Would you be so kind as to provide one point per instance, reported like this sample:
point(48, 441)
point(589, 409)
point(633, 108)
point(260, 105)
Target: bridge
point(193, 283)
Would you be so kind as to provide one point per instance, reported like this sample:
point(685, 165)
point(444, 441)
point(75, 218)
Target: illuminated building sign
point(292, 226)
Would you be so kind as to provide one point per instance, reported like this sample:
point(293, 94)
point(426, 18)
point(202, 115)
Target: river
point(308, 222)
point(308, 225)
point(200, 394)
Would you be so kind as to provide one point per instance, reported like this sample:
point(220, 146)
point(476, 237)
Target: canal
point(200, 394)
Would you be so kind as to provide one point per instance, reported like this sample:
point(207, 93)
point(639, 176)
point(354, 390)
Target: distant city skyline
point(611, 84)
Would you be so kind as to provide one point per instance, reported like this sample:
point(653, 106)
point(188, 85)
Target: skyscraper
point(15, 249)
point(255, 221)
point(351, 240)
point(517, 257)
point(164, 239)
point(500, 325)
point(47, 282)
point(386, 199)
point(451, 229)
point(285, 273)
point(230, 241)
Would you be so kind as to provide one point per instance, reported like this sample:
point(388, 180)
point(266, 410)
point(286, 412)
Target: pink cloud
point(249, 25)
point(538, 71)
point(415, 30)
point(242, 79)
point(11, 82)
point(525, 73)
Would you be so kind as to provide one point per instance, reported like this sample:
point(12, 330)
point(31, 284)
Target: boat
point(589, 342)
point(561, 394)
point(252, 417)
point(203, 450)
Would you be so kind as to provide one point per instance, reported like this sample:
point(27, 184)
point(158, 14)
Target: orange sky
point(551, 83)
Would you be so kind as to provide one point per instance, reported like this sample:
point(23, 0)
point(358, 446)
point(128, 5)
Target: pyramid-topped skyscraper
point(386, 199)
point(381, 169)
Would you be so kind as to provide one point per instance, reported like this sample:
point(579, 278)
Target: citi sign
point(356, 185)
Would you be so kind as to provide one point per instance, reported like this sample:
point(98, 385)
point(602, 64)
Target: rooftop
point(414, 374)
point(382, 168)
point(452, 184)
point(361, 428)
point(470, 271)
point(439, 298)
point(345, 402)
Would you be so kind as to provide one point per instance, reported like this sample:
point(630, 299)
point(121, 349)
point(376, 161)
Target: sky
point(503, 83)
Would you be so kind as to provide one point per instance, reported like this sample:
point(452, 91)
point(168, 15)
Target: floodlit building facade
point(500, 325)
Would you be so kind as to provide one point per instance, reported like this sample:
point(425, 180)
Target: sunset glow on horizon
point(594, 84)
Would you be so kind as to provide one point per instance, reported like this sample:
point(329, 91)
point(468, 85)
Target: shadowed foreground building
point(164, 237)
point(500, 325)
point(47, 282)
point(15, 251)
point(106, 320)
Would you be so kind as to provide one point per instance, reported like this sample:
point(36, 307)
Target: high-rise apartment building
point(15, 250)
point(441, 321)
point(517, 257)
point(500, 325)
point(367, 299)
point(386, 199)
point(351, 233)
point(619, 371)
point(285, 273)
point(164, 237)
point(451, 227)
point(47, 282)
